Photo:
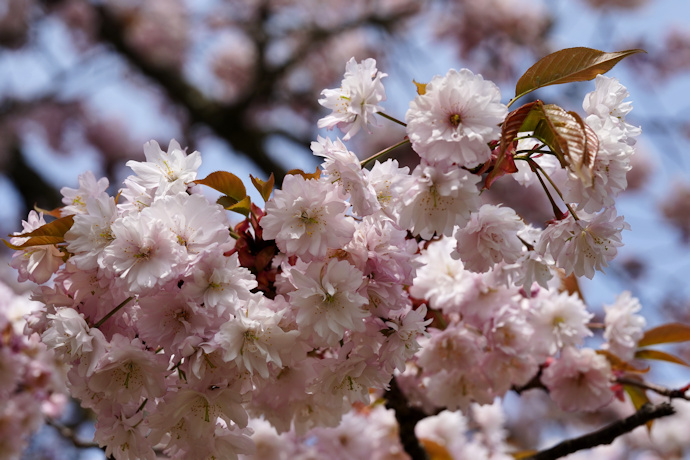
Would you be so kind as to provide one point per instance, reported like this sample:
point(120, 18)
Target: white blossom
point(584, 245)
point(580, 380)
point(356, 101)
point(489, 237)
point(439, 200)
point(166, 171)
point(455, 119)
point(623, 326)
point(307, 217)
point(327, 299)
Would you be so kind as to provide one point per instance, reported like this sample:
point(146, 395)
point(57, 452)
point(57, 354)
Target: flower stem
point(384, 151)
point(535, 166)
point(393, 119)
point(113, 311)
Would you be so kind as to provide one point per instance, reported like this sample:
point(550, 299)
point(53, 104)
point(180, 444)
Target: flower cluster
point(188, 335)
point(31, 379)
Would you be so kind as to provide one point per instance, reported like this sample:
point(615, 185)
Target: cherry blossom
point(276, 335)
point(584, 245)
point(623, 326)
point(579, 380)
point(357, 100)
point(439, 200)
point(455, 119)
point(36, 263)
point(76, 200)
point(327, 300)
point(307, 217)
point(165, 171)
point(489, 237)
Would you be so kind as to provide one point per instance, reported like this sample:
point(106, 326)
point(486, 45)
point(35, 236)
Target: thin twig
point(112, 312)
point(607, 434)
point(68, 433)
point(384, 151)
point(658, 389)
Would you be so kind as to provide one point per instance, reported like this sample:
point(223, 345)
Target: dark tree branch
point(607, 434)
point(69, 434)
point(407, 417)
point(32, 188)
point(227, 122)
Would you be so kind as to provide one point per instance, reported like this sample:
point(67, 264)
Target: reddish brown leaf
point(226, 183)
point(512, 125)
point(264, 188)
point(421, 87)
point(434, 450)
point(563, 134)
point(50, 233)
point(666, 333)
point(618, 364)
point(571, 285)
point(57, 212)
point(659, 356)
point(584, 167)
point(568, 65)
point(314, 175)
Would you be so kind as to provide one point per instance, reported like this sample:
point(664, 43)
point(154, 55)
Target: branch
point(226, 121)
point(407, 417)
point(69, 434)
point(658, 389)
point(607, 434)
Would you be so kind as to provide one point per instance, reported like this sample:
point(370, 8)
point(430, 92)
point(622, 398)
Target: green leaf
point(659, 356)
point(264, 188)
point(50, 233)
point(666, 333)
point(569, 65)
point(226, 183)
point(244, 206)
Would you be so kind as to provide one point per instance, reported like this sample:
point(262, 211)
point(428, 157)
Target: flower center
point(455, 119)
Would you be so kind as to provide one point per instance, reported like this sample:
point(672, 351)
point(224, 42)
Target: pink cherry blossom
point(327, 300)
point(307, 217)
point(357, 100)
point(488, 238)
point(75, 200)
point(439, 200)
point(343, 167)
point(166, 171)
point(144, 254)
point(455, 119)
point(35, 263)
point(580, 380)
point(584, 245)
point(624, 328)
